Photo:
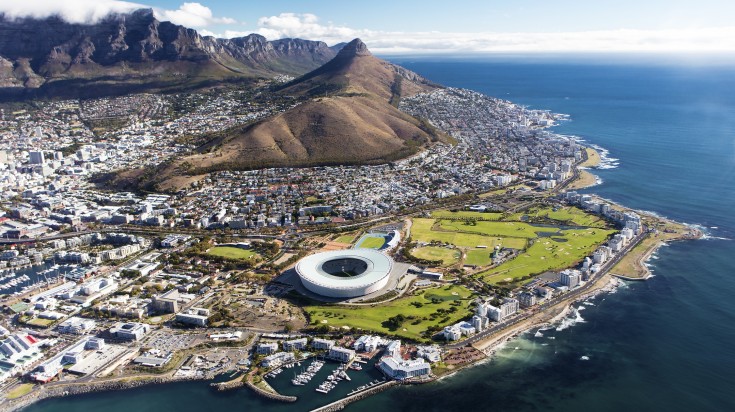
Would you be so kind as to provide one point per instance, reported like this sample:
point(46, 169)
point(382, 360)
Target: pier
point(340, 404)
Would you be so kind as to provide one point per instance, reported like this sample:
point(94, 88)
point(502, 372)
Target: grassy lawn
point(421, 231)
point(571, 216)
point(231, 252)
point(420, 310)
point(479, 257)
point(345, 239)
point(629, 265)
point(372, 243)
point(41, 322)
point(466, 214)
point(447, 256)
point(20, 390)
point(500, 229)
point(549, 254)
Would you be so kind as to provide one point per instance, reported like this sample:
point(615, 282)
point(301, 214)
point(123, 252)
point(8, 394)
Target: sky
point(435, 27)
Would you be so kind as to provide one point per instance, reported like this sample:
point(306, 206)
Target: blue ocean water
point(667, 344)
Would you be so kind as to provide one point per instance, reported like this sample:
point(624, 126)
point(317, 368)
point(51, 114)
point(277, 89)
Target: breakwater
point(63, 390)
point(340, 404)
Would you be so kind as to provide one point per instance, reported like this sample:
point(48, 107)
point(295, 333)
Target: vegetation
point(345, 239)
point(422, 231)
point(445, 255)
point(20, 390)
point(372, 242)
point(411, 317)
point(478, 257)
point(231, 252)
point(558, 252)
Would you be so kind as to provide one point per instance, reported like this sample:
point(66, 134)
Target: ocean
point(668, 344)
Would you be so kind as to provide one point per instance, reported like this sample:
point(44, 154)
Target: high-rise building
point(570, 278)
point(37, 158)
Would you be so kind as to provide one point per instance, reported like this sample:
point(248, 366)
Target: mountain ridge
point(347, 116)
point(136, 47)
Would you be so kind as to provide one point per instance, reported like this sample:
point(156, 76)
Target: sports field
point(371, 241)
point(449, 232)
point(231, 252)
point(446, 255)
point(345, 239)
point(478, 257)
point(432, 307)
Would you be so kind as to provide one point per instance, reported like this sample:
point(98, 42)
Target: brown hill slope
point(346, 118)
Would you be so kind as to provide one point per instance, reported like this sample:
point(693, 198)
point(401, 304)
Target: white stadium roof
point(374, 272)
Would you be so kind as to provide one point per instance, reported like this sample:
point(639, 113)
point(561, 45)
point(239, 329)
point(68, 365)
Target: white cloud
point(73, 11)
point(193, 15)
point(307, 26)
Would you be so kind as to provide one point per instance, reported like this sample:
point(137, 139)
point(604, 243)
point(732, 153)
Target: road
point(568, 296)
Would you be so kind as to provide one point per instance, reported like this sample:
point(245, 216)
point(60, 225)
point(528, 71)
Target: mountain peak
point(355, 48)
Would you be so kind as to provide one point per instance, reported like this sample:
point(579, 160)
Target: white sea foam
point(707, 233)
point(538, 334)
point(572, 319)
point(588, 303)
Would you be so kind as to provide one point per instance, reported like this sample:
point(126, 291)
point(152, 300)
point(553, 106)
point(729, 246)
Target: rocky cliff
point(135, 49)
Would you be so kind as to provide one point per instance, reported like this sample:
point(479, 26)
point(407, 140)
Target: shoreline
point(493, 344)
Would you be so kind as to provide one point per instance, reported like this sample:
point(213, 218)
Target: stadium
point(345, 273)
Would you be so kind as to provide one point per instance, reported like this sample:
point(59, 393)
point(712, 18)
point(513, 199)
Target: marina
point(331, 381)
point(24, 279)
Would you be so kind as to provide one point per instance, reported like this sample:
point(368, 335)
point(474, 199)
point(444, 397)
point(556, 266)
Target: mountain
point(135, 51)
point(348, 116)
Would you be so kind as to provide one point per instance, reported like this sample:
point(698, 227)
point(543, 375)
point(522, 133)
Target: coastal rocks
point(342, 403)
point(271, 394)
point(61, 390)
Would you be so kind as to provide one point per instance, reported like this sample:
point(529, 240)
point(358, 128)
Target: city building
point(508, 307)
point(341, 354)
point(278, 359)
point(130, 330)
point(399, 369)
point(76, 326)
point(294, 344)
point(526, 299)
point(266, 348)
point(570, 278)
point(322, 344)
point(194, 316)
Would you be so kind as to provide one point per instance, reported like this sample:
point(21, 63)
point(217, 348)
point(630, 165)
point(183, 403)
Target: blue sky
point(432, 26)
point(493, 15)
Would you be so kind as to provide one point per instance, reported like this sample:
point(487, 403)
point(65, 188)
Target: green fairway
point(500, 229)
point(569, 215)
point(421, 231)
point(545, 254)
point(478, 257)
point(433, 307)
point(463, 214)
point(231, 252)
point(345, 239)
point(446, 255)
point(372, 242)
